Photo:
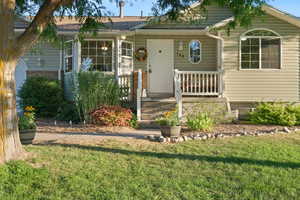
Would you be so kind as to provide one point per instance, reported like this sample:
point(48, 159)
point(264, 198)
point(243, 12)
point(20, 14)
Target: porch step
point(152, 110)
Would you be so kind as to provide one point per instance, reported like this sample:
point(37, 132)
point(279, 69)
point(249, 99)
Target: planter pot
point(27, 136)
point(170, 131)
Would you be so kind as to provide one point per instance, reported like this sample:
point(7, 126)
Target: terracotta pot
point(27, 136)
point(170, 131)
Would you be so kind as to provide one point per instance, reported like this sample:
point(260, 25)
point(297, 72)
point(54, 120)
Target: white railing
point(125, 84)
point(200, 83)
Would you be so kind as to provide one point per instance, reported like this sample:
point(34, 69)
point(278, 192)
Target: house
point(258, 63)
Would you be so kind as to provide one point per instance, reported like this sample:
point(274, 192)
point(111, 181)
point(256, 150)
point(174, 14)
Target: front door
point(160, 66)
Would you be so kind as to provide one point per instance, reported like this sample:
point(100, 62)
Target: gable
point(211, 16)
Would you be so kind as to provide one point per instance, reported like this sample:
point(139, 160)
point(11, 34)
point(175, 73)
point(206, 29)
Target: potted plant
point(170, 124)
point(27, 125)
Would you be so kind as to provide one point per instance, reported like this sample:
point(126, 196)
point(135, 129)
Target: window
point(68, 56)
point(195, 52)
point(100, 52)
point(126, 48)
point(126, 65)
point(260, 49)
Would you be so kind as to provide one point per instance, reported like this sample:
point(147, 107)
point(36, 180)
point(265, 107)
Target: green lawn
point(266, 167)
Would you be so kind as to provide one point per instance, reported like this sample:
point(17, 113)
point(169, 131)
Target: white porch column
point(178, 92)
point(77, 54)
point(139, 95)
point(118, 57)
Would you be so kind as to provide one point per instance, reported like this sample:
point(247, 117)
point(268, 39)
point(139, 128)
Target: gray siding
point(263, 85)
point(209, 52)
point(43, 56)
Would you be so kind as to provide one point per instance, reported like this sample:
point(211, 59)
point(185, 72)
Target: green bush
point(200, 122)
point(44, 94)
point(275, 114)
point(93, 90)
point(68, 112)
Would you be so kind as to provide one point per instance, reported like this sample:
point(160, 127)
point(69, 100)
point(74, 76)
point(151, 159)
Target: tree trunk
point(10, 145)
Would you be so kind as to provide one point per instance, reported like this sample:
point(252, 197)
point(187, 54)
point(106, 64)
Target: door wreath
point(141, 54)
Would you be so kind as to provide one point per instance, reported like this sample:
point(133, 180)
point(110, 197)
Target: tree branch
point(37, 26)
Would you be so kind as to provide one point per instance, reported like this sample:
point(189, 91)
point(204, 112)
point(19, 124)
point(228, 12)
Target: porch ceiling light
point(243, 38)
point(123, 37)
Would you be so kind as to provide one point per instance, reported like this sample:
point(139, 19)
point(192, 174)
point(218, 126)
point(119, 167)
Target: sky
point(134, 7)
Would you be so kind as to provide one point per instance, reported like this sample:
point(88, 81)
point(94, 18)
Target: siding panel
point(263, 85)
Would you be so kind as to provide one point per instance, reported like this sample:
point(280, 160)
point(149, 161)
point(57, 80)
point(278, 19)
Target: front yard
point(265, 167)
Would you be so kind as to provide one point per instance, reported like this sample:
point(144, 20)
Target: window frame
point(244, 36)
point(112, 55)
point(190, 60)
point(132, 50)
point(68, 56)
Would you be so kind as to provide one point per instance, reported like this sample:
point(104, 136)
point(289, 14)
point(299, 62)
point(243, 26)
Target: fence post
point(139, 95)
point(178, 92)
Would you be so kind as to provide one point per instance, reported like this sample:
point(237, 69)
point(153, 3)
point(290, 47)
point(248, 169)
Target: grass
point(266, 167)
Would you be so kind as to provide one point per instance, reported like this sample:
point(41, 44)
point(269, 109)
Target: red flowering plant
point(112, 116)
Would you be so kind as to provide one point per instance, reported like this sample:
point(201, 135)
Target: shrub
point(112, 116)
point(27, 120)
point(169, 119)
point(44, 94)
point(68, 112)
point(95, 89)
point(200, 122)
point(274, 113)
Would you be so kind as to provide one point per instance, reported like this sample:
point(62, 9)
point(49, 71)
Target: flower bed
point(227, 131)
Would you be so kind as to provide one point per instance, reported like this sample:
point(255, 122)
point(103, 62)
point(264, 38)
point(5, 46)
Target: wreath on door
point(141, 54)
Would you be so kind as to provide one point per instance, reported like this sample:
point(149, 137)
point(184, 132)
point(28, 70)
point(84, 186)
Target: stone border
point(207, 136)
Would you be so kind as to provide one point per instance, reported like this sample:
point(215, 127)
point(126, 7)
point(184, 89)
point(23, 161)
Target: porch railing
point(126, 84)
point(196, 83)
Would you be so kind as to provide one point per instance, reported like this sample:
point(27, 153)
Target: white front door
point(160, 66)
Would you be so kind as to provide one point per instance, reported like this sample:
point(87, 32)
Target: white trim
point(170, 32)
point(70, 56)
point(190, 60)
point(281, 15)
point(260, 29)
point(260, 60)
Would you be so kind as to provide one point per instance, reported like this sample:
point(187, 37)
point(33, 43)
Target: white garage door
point(20, 75)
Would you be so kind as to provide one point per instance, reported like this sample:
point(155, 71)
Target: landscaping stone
point(185, 138)
point(287, 130)
point(162, 139)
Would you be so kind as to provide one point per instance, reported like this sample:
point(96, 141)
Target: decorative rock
point(174, 139)
point(162, 139)
point(287, 130)
point(204, 137)
point(185, 138)
point(151, 137)
point(238, 135)
point(180, 139)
